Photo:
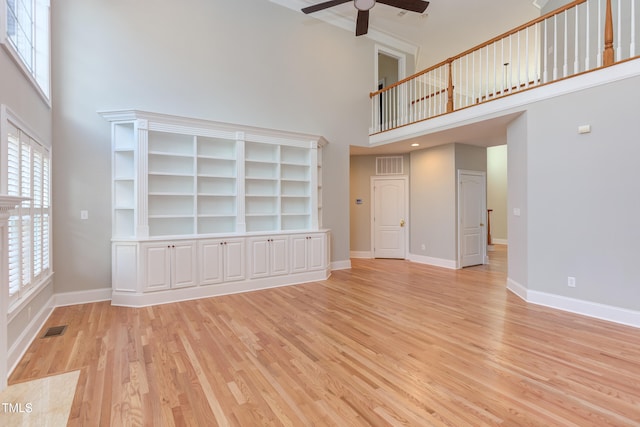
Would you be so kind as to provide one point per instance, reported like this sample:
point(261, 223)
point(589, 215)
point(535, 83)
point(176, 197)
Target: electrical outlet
point(571, 282)
point(423, 247)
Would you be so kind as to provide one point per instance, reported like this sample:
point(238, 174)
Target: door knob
point(481, 225)
point(402, 223)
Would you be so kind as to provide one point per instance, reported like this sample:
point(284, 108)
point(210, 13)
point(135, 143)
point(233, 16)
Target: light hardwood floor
point(387, 342)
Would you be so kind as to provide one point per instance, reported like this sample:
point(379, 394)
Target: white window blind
point(28, 169)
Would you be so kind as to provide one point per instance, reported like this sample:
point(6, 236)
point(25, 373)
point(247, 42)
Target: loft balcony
point(581, 44)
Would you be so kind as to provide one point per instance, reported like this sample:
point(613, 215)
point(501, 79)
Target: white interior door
point(389, 222)
point(472, 215)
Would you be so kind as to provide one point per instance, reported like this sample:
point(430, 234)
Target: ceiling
point(448, 27)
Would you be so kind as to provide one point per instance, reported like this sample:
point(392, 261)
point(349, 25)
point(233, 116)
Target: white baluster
point(439, 98)
point(576, 64)
point(600, 47)
point(526, 57)
point(495, 72)
point(536, 50)
point(519, 75)
point(504, 68)
point(555, 47)
point(511, 63)
point(619, 36)
point(587, 61)
point(486, 82)
point(424, 96)
point(632, 47)
point(565, 64)
point(545, 49)
point(473, 77)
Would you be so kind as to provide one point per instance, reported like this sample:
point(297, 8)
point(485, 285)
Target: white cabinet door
point(299, 253)
point(221, 261)
point(309, 252)
point(183, 264)
point(268, 256)
point(317, 252)
point(211, 261)
point(279, 255)
point(167, 265)
point(234, 256)
point(156, 266)
point(258, 257)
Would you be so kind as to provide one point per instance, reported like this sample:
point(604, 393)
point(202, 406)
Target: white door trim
point(400, 56)
point(376, 179)
point(483, 175)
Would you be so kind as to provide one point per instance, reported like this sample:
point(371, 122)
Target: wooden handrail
point(489, 42)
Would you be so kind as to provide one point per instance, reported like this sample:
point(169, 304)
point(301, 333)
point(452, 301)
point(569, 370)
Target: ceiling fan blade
point(322, 6)
point(410, 5)
point(362, 24)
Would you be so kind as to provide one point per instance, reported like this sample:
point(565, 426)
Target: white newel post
point(7, 204)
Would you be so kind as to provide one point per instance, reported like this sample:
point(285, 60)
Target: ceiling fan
point(364, 6)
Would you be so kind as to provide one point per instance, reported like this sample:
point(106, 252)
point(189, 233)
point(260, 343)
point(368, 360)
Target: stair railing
point(571, 40)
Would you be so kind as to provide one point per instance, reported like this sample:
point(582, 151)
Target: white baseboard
point(361, 254)
point(144, 299)
point(517, 288)
point(30, 333)
point(341, 265)
point(586, 308)
point(499, 241)
point(81, 297)
point(436, 262)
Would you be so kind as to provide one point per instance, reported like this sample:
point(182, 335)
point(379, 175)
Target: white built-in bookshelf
point(182, 179)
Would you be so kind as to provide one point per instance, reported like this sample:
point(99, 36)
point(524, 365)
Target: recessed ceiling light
point(415, 144)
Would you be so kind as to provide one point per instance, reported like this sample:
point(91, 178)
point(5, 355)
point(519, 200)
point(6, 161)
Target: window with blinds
point(28, 166)
point(28, 35)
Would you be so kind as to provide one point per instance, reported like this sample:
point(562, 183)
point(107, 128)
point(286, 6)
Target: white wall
point(497, 191)
point(517, 200)
point(583, 195)
point(432, 192)
point(249, 62)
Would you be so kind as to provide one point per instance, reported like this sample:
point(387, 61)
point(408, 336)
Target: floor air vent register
point(55, 331)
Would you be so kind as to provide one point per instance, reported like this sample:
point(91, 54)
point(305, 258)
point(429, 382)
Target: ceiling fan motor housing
point(363, 6)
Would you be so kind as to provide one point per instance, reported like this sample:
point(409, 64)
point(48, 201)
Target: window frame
point(39, 73)
point(36, 282)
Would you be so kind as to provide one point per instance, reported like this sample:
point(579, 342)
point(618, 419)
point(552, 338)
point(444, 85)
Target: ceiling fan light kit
point(364, 6)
